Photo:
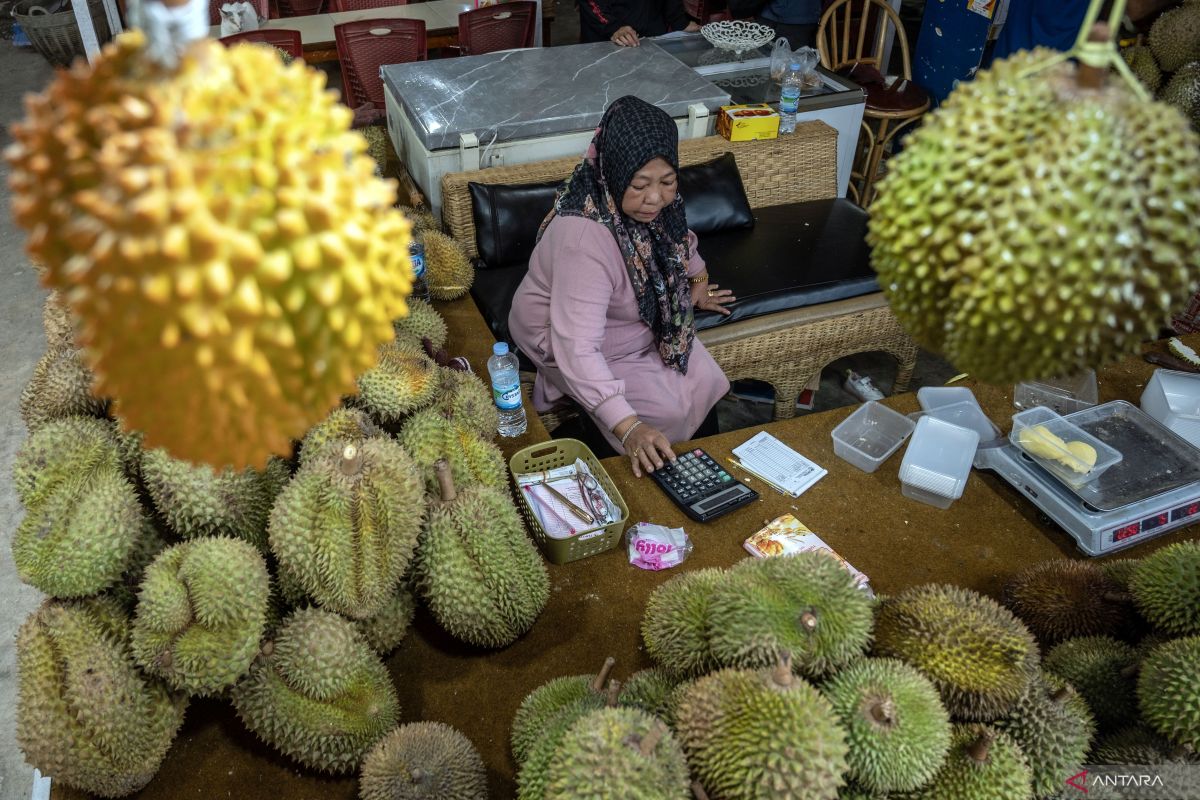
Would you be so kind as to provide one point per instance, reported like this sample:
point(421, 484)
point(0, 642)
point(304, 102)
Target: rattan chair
point(850, 40)
point(785, 349)
point(507, 26)
point(286, 40)
point(365, 45)
point(363, 5)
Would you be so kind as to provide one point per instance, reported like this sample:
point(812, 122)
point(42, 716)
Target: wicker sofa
point(785, 348)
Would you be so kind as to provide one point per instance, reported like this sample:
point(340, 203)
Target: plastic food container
point(1068, 432)
point(937, 462)
point(868, 436)
point(1173, 398)
point(1061, 395)
point(935, 396)
point(966, 414)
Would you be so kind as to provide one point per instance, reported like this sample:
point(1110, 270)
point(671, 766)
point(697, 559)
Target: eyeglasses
point(593, 497)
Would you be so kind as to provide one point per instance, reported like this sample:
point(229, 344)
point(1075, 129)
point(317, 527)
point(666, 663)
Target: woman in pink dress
point(606, 310)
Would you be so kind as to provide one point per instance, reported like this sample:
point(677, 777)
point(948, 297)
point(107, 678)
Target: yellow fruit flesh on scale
point(1040, 442)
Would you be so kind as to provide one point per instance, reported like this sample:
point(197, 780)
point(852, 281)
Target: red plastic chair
point(363, 5)
point(286, 40)
point(299, 8)
point(214, 9)
point(706, 11)
point(505, 26)
point(365, 45)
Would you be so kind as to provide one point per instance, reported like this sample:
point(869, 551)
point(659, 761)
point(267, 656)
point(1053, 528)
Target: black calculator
point(699, 486)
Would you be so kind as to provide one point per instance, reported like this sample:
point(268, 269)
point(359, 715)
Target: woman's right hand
point(625, 36)
point(648, 449)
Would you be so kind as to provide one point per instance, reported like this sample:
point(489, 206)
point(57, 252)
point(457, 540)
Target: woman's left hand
point(710, 297)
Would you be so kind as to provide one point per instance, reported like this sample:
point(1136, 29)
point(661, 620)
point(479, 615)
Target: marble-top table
point(522, 94)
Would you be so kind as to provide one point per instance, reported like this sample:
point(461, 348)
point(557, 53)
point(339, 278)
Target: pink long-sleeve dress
point(576, 318)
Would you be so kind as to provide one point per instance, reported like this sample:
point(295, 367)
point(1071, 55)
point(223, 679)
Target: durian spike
point(352, 461)
point(652, 738)
point(782, 674)
point(978, 751)
point(1120, 598)
point(698, 791)
point(1131, 671)
point(445, 480)
point(602, 676)
point(614, 691)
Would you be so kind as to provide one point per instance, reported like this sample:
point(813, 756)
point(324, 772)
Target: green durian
point(387, 628)
point(534, 770)
point(807, 606)
point(1102, 670)
point(762, 735)
point(1175, 37)
point(1138, 744)
point(618, 754)
point(423, 761)
point(429, 436)
point(318, 693)
point(58, 323)
point(405, 380)
point(422, 322)
point(464, 399)
point(1166, 588)
point(897, 729)
point(82, 516)
point(478, 571)
point(201, 611)
point(448, 272)
point(146, 547)
point(347, 524)
point(379, 146)
point(1120, 570)
point(61, 386)
point(1054, 727)
point(85, 716)
point(1169, 692)
point(974, 650)
point(983, 764)
point(421, 219)
point(343, 426)
point(546, 701)
point(1064, 598)
point(1140, 59)
point(1183, 92)
point(675, 624)
point(196, 500)
point(652, 690)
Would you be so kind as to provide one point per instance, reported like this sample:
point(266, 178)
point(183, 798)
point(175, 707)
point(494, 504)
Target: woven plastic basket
point(559, 453)
point(56, 36)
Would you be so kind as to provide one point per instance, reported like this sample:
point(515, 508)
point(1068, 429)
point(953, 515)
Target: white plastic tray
point(870, 435)
point(937, 462)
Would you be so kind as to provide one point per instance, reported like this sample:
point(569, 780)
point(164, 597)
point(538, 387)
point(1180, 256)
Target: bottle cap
point(795, 66)
point(500, 348)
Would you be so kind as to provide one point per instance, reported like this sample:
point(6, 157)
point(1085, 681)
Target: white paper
point(781, 465)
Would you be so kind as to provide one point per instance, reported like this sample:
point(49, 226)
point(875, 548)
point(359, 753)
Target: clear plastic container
point(870, 435)
point(934, 396)
point(1173, 398)
point(965, 414)
point(937, 462)
point(1061, 395)
point(1053, 457)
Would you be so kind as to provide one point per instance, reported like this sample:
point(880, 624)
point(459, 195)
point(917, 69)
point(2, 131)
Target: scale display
point(1157, 521)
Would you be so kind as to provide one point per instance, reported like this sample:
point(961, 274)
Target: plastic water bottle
point(420, 289)
point(789, 98)
point(506, 390)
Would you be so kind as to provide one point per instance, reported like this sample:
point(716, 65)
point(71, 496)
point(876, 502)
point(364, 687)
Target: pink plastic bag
point(654, 547)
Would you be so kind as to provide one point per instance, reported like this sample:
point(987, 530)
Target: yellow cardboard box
point(746, 122)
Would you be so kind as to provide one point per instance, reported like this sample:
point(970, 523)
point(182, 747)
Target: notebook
point(776, 463)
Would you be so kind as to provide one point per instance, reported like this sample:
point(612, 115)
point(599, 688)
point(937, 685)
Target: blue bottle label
point(507, 397)
point(789, 100)
point(418, 264)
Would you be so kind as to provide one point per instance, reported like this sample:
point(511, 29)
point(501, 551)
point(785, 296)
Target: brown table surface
point(596, 604)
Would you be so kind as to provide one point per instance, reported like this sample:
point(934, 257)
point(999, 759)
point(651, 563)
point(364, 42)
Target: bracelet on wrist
point(625, 438)
point(697, 279)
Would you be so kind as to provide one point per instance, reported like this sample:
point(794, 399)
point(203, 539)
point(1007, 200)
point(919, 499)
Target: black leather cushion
point(797, 255)
point(713, 196)
point(507, 216)
point(493, 292)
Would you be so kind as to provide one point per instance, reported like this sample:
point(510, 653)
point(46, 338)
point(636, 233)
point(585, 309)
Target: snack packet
point(786, 536)
point(654, 547)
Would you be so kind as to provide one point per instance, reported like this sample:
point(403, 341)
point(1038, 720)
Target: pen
point(767, 481)
point(576, 510)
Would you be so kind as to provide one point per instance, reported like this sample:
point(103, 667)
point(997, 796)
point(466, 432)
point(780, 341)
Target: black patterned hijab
point(633, 133)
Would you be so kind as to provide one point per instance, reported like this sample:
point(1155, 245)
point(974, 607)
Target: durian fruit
point(387, 628)
point(1021, 257)
point(448, 271)
point(1063, 598)
point(618, 754)
point(347, 524)
point(1183, 92)
point(423, 761)
point(1169, 692)
point(1183, 351)
point(1103, 671)
point(429, 436)
point(1138, 744)
point(983, 764)
point(82, 516)
point(85, 715)
point(535, 769)
point(405, 380)
point(231, 278)
point(675, 625)
point(1054, 728)
point(61, 386)
point(422, 322)
point(897, 729)
point(807, 606)
point(420, 219)
point(148, 544)
point(196, 500)
point(1120, 570)
point(481, 576)
point(343, 426)
point(1142, 63)
point(1166, 588)
point(467, 401)
point(1175, 37)
point(651, 690)
point(761, 735)
point(318, 693)
point(974, 650)
point(201, 612)
point(379, 147)
point(58, 323)
point(548, 700)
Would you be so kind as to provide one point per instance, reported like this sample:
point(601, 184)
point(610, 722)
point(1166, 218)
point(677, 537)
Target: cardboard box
point(746, 122)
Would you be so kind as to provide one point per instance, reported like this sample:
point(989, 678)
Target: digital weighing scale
point(1154, 489)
